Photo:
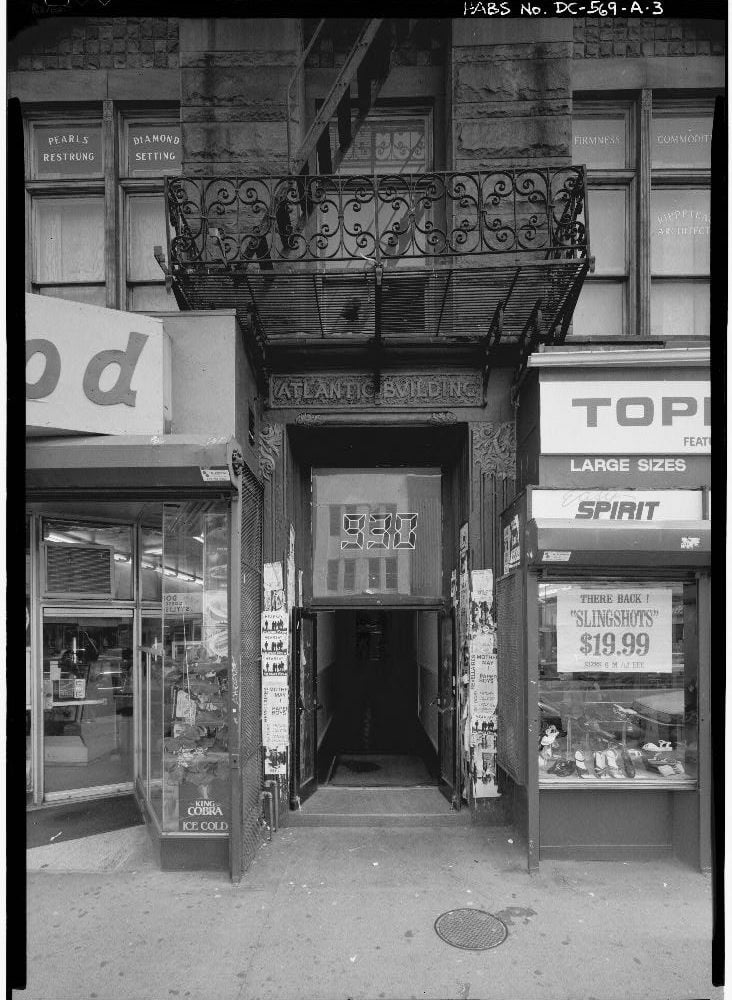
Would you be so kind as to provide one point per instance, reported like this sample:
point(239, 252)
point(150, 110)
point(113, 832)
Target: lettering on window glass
point(153, 149)
point(68, 151)
point(683, 222)
point(381, 536)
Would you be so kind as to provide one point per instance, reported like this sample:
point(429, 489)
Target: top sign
point(91, 370)
point(627, 417)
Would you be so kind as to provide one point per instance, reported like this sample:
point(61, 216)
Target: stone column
point(234, 77)
point(511, 92)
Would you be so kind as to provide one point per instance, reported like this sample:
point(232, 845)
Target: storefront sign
point(343, 391)
point(94, 371)
point(68, 151)
point(630, 470)
point(199, 812)
point(182, 604)
point(614, 630)
point(617, 505)
point(153, 149)
point(625, 418)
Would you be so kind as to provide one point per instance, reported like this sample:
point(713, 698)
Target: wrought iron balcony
point(480, 256)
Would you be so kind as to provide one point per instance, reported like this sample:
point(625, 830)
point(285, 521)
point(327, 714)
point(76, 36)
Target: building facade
point(410, 325)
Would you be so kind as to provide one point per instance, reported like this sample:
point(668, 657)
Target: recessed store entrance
point(377, 687)
point(375, 515)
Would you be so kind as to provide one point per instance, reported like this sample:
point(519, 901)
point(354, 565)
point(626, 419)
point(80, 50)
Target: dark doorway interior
point(378, 715)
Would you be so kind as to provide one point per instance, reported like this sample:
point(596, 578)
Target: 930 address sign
point(396, 531)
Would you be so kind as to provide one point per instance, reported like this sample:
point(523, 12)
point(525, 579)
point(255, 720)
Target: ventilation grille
point(79, 569)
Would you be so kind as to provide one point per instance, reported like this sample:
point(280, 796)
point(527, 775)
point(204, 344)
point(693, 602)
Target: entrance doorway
point(378, 728)
point(381, 712)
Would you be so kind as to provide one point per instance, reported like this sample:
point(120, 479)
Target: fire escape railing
point(235, 223)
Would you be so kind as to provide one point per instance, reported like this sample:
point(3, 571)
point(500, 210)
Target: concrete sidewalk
point(335, 913)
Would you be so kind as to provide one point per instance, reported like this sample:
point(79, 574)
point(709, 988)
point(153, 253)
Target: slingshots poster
point(614, 630)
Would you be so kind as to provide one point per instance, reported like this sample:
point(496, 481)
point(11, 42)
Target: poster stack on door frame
point(275, 648)
point(276, 632)
point(483, 686)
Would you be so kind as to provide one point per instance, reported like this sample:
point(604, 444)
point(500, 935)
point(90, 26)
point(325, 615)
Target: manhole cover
point(474, 930)
point(361, 766)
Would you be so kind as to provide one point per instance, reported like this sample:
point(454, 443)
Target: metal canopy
point(570, 543)
point(123, 464)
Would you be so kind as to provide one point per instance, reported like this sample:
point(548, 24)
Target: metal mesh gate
point(511, 741)
point(250, 696)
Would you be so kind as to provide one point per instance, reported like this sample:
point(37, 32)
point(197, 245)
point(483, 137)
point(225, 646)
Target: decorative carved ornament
point(270, 444)
point(494, 448)
point(310, 419)
point(237, 462)
point(443, 417)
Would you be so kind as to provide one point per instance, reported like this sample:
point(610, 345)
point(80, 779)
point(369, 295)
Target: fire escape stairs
point(368, 64)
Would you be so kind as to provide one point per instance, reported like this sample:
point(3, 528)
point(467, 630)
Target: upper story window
point(649, 228)
point(95, 204)
point(681, 146)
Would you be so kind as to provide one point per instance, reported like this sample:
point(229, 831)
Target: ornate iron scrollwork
point(232, 221)
point(270, 444)
point(494, 448)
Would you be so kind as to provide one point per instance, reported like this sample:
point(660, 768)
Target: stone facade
point(234, 78)
point(96, 43)
point(511, 93)
point(603, 38)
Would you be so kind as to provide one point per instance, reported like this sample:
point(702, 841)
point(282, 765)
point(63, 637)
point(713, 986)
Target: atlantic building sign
point(396, 390)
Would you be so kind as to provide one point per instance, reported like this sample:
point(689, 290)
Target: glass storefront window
point(87, 701)
point(193, 705)
point(617, 682)
point(388, 533)
point(83, 559)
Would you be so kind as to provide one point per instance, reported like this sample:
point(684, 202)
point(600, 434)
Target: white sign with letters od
point(91, 370)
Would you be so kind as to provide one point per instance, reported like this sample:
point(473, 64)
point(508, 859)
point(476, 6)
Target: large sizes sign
point(625, 418)
point(340, 390)
point(617, 505)
point(614, 630)
point(91, 370)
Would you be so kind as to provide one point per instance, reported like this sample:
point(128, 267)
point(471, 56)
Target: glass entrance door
point(87, 702)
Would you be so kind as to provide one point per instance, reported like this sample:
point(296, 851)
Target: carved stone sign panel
point(345, 391)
